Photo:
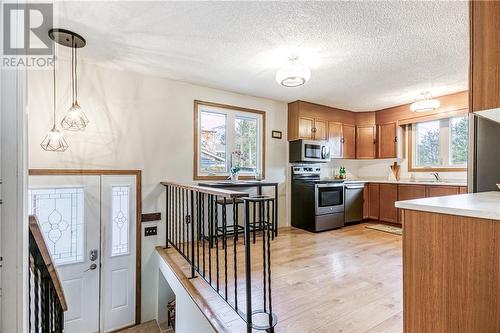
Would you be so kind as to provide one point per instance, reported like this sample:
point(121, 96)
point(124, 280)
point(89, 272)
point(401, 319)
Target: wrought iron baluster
point(203, 229)
point(235, 253)
point(167, 215)
point(198, 228)
point(210, 235)
point(217, 243)
point(264, 276)
point(191, 220)
point(224, 243)
point(248, 269)
point(269, 259)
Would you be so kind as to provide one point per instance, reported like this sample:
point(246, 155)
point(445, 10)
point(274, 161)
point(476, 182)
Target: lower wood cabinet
point(388, 195)
point(440, 190)
point(366, 205)
point(379, 198)
point(409, 192)
point(373, 201)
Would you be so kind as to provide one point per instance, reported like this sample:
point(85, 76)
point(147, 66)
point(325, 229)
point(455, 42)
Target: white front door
point(88, 223)
point(118, 212)
point(68, 209)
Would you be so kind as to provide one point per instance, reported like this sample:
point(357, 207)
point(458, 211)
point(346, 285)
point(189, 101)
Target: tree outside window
point(440, 143)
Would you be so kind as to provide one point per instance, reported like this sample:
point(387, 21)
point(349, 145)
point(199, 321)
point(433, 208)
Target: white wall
point(141, 122)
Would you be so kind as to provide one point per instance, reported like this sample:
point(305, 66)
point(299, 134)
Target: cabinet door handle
point(314, 129)
point(342, 140)
point(395, 139)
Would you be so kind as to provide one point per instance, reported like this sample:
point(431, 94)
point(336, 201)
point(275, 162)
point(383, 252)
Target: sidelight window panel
point(120, 220)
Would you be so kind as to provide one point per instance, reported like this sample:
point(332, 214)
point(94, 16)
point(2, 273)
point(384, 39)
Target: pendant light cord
point(72, 70)
point(54, 83)
point(76, 76)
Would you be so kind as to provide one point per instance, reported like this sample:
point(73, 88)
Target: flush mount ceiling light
point(75, 118)
point(54, 140)
point(294, 74)
point(424, 103)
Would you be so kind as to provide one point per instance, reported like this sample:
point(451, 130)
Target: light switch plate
point(150, 231)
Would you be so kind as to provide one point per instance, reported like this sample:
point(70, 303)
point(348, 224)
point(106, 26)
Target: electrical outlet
point(149, 231)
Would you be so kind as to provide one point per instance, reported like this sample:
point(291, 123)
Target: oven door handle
point(329, 185)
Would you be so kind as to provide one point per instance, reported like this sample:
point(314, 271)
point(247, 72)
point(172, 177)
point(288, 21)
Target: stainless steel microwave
point(309, 151)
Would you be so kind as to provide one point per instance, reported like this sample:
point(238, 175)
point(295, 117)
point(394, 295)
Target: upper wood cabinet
point(312, 121)
point(335, 139)
point(348, 141)
point(387, 140)
point(484, 83)
point(305, 128)
point(312, 129)
point(365, 142)
point(388, 195)
point(320, 129)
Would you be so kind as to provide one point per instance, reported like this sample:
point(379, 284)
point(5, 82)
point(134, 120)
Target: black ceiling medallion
point(67, 38)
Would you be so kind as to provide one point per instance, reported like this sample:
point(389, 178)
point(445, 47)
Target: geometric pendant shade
point(54, 141)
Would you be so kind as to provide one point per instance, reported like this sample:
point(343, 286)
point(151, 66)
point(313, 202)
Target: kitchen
point(378, 151)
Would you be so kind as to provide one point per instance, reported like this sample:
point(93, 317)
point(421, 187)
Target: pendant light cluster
point(75, 119)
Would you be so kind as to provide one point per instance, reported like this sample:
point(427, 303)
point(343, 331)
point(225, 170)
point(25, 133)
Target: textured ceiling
point(363, 55)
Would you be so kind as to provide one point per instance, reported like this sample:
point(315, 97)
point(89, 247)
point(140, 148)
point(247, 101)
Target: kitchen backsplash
point(372, 169)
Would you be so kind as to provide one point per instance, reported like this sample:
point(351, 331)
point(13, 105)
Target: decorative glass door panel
point(60, 212)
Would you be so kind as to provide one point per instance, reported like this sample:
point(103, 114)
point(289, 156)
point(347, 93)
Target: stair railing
point(203, 225)
point(47, 303)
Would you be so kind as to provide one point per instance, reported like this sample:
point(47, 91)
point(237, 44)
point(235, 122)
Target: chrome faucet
point(436, 175)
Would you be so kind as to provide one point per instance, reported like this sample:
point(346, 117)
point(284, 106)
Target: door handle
point(91, 267)
point(93, 255)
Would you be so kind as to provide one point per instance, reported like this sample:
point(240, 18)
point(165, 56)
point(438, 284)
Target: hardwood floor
point(346, 280)
point(148, 327)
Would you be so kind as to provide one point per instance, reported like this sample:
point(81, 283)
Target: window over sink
point(228, 137)
point(438, 145)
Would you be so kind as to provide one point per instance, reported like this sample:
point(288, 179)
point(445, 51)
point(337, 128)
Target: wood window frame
point(138, 215)
point(197, 103)
point(410, 150)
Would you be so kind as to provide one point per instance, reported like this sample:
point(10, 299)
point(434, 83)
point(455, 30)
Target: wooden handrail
point(208, 190)
point(47, 259)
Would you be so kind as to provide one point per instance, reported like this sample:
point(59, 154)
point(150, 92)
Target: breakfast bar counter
point(259, 184)
point(451, 263)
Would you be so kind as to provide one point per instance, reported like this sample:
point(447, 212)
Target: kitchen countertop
point(406, 181)
point(237, 183)
point(485, 205)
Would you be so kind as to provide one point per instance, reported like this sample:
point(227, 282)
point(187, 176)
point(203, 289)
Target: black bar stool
point(231, 229)
point(261, 212)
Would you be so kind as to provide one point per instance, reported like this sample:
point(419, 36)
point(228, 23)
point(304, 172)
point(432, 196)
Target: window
point(228, 137)
point(439, 144)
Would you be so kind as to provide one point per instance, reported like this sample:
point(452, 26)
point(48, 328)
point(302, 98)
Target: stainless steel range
point(317, 204)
